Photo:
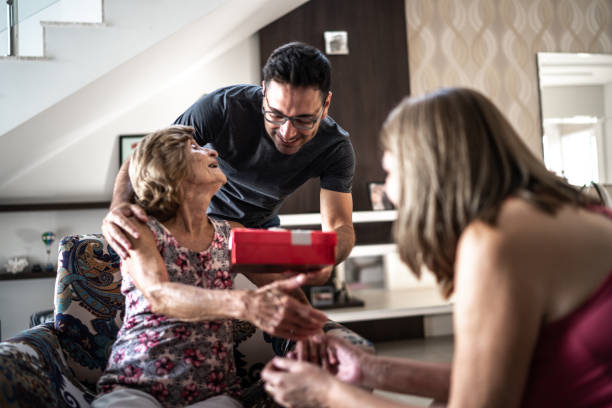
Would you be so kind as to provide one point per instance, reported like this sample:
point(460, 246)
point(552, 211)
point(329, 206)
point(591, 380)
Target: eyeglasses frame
point(290, 118)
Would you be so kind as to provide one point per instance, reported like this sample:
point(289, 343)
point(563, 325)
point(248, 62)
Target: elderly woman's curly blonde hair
point(158, 167)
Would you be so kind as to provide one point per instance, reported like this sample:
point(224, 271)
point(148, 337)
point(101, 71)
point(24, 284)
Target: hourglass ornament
point(48, 238)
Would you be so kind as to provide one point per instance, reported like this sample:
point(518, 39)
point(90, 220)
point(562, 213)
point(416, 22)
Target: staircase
point(147, 59)
point(29, 16)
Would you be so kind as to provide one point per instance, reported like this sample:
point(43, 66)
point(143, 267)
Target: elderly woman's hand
point(275, 311)
point(337, 356)
point(296, 384)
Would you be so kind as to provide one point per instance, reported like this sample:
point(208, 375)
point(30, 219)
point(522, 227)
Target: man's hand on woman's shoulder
point(120, 222)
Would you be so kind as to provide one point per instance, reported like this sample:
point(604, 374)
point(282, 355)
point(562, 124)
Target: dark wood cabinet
point(366, 84)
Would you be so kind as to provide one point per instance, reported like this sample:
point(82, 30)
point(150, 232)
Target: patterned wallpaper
point(491, 45)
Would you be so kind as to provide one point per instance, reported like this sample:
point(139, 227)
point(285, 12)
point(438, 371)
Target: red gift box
point(281, 249)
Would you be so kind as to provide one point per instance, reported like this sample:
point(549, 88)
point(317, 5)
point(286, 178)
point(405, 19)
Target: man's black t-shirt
point(259, 177)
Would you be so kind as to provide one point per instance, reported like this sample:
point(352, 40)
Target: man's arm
point(337, 215)
point(122, 190)
point(123, 216)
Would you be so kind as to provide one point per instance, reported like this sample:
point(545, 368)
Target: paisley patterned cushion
point(88, 304)
point(34, 373)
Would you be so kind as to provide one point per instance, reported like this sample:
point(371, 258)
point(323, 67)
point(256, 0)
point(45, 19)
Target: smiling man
point(271, 140)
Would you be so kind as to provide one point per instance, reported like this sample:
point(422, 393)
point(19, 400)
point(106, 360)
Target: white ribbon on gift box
point(301, 237)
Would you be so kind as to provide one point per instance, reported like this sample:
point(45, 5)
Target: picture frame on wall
point(378, 198)
point(127, 144)
point(336, 42)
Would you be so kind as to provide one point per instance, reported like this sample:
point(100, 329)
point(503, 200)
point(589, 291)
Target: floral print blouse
point(179, 363)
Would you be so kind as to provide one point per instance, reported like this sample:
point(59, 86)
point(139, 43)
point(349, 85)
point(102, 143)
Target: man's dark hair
point(298, 64)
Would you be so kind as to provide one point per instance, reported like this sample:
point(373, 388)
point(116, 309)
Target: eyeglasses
point(301, 122)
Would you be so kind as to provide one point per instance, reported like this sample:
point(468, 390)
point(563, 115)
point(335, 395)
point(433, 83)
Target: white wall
point(607, 135)
point(21, 231)
point(19, 299)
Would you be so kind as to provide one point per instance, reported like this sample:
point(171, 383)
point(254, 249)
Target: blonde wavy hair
point(158, 167)
point(459, 159)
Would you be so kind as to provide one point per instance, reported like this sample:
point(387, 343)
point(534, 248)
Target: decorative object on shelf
point(48, 238)
point(322, 295)
point(378, 198)
point(36, 268)
point(17, 264)
point(127, 144)
point(330, 296)
point(364, 272)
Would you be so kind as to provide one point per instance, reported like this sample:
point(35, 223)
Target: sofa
point(57, 363)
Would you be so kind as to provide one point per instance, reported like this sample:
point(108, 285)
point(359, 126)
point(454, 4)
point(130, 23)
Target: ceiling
point(568, 69)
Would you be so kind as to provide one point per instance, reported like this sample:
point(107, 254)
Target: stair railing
point(11, 20)
point(18, 12)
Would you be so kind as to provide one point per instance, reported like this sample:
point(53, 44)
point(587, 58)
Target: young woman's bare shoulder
point(509, 245)
point(479, 247)
point(517, 215)
point(517, 220)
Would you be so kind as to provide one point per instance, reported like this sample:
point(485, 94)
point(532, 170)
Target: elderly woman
point(175, 346)
point(527, 256)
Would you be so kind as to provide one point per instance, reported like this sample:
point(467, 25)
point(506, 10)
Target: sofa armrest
point(33, 372)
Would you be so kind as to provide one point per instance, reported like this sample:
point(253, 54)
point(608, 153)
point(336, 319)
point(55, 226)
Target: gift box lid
point(291, 249)
point(282, 237)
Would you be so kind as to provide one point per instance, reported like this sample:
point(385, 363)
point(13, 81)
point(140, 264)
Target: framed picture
point(378, 198)
point(336, 42)
point(127, 144)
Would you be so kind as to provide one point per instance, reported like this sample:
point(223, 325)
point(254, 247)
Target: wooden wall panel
point(366, 84)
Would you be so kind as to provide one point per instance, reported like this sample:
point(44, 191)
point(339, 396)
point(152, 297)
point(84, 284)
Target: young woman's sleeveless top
point(177, 362)
point(572, 362)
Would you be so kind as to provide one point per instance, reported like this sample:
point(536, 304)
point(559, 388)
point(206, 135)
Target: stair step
point(72, 24)
point(24, 58)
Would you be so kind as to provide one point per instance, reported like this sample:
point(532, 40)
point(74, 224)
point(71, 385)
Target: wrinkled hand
point(118, 222)
point(272, 309)
point(337, 356)
point(312, 350)
point(296, 384)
